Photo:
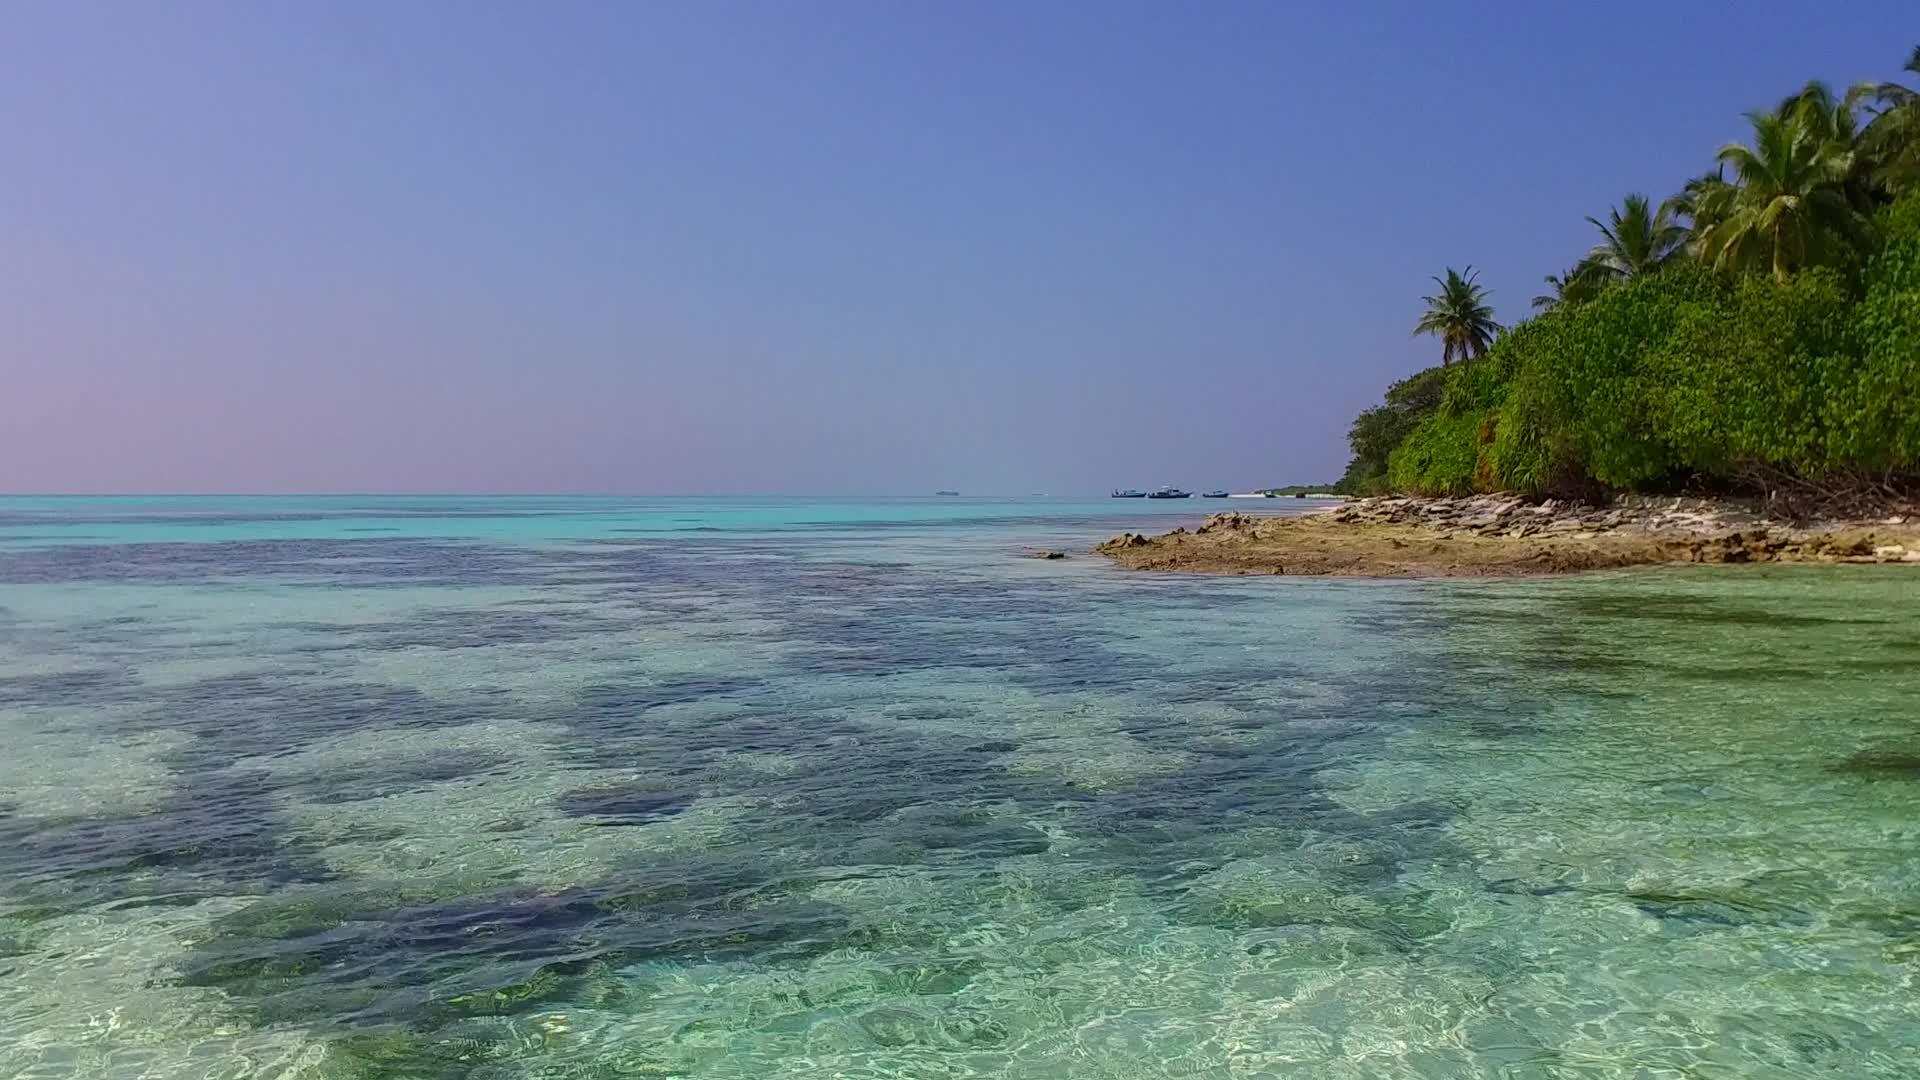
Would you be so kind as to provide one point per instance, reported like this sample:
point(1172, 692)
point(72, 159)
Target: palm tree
point(1835, 122)
point(1635, 240)
point(1459, 316)
point(1571, 289)
point(1791, 208)
point(1890, 143)
point(1831, 117)
point(1702, 203)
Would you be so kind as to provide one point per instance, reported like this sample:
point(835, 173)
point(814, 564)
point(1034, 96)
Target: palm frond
point(1459, 316)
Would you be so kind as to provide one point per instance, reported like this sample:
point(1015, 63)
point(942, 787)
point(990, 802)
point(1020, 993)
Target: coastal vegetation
point(1757, 332)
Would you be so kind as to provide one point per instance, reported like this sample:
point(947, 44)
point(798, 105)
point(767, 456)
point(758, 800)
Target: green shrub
point(1439, 457)
point(1482, 383)
point(1591, 379)
point(1522, 456)
point(1377, 431)
point(1741, 382)
point(1872, 411)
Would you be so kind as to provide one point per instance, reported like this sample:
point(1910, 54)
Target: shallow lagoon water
point(454, 788)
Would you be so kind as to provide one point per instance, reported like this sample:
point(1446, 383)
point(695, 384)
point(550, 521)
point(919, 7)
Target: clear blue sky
point(832, 246)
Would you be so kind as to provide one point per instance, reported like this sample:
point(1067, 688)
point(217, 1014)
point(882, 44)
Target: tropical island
point(1751, 343)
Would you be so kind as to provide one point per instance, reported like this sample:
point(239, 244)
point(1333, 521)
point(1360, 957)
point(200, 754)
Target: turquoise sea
point(459, 788)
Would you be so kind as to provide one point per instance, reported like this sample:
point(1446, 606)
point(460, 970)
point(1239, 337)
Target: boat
point(946, 493)
point(1169, 493)
point(1218, 493)
point(1128, 493)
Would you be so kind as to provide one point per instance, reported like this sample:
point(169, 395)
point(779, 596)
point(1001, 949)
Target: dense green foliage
point(1377, 431)
point(1689, 378)
point(1439, 456)
point(1759, 330)
point(1874, 416)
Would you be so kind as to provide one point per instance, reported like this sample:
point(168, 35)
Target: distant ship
point(1169, 493)
point(1128, 493)
point(1219, 493)
point(946, 493)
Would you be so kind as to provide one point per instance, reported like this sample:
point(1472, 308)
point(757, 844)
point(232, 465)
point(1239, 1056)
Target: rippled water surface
point(448, 788)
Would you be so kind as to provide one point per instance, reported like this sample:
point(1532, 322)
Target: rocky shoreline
point(1503, 535)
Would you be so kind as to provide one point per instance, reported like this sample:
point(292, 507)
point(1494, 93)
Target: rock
point(1480, 530)
point(1232, 519)
point(1046, 554)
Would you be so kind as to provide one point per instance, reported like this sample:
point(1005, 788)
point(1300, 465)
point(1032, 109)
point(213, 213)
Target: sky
point(832, 246)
